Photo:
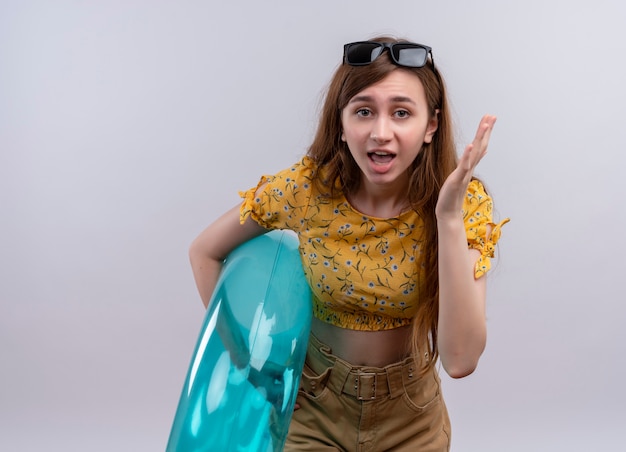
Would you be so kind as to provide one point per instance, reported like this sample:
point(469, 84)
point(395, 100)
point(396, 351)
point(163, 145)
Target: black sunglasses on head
point(408, 54)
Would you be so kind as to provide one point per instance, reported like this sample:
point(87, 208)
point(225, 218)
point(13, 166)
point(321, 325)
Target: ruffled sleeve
point(478, 219)
point(280, 201)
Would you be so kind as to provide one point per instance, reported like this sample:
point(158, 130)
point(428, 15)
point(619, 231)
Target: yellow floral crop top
point(364, 272)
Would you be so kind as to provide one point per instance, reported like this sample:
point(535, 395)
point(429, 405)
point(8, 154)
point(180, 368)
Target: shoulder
point(300, 172)
point(477, 198)
point(280, 200)
point(476, 190)
point(477, 205)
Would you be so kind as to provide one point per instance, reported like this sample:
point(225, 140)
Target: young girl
point(395, 238)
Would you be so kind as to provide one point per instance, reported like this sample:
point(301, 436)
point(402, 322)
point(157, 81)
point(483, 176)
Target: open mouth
point(380, 157)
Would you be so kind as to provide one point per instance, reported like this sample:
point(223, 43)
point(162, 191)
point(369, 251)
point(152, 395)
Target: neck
point(380, 201)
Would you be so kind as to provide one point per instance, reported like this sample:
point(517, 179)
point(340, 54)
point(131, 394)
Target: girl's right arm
point(210, 248)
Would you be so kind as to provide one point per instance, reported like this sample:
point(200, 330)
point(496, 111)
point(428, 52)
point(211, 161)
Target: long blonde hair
point(427, 173)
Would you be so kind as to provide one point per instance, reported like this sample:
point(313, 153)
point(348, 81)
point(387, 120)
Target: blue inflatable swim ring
point(243, 379)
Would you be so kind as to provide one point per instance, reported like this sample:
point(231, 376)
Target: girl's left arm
point(462, 329)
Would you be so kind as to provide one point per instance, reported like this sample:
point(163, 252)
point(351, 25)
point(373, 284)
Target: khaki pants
point(350, 408)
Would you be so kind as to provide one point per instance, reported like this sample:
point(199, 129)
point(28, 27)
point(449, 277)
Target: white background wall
point(127, 126)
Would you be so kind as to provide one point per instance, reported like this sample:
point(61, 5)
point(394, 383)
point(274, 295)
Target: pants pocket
point(313, 386)
point(423, 395)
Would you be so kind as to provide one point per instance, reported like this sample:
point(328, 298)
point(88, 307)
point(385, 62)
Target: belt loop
point(395, 381)
point(338, 375)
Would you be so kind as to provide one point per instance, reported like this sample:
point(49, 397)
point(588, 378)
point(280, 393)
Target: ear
point(431, 128)
point(343, 137)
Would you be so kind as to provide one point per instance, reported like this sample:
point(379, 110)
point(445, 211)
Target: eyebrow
point(370, 99)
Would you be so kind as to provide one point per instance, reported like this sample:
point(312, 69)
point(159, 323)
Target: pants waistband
point(363, 383)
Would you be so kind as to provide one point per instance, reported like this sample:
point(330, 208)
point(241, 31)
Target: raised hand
point(454, 189)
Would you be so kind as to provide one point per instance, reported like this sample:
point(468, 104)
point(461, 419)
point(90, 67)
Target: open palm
point(454, 189)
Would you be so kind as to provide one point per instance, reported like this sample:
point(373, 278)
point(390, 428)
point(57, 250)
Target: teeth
point(381, 157)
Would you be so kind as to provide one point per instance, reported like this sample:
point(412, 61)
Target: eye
point(363, 112)
point(402, 114)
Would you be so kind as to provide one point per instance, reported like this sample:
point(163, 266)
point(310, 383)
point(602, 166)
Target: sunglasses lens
point(363, 53)
point(410, 55)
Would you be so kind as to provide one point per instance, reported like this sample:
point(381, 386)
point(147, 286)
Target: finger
point(484, 129)
point(472, 156)
point(488, 119)
point(483, 134)
point(475, 151)
point(465, 161)
point(465, 167)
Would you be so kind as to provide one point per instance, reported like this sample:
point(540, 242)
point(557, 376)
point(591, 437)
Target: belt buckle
point(365, 385)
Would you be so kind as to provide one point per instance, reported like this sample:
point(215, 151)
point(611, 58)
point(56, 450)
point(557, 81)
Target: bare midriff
point(365, 348)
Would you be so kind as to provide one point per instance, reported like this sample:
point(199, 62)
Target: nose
point(381, 130)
